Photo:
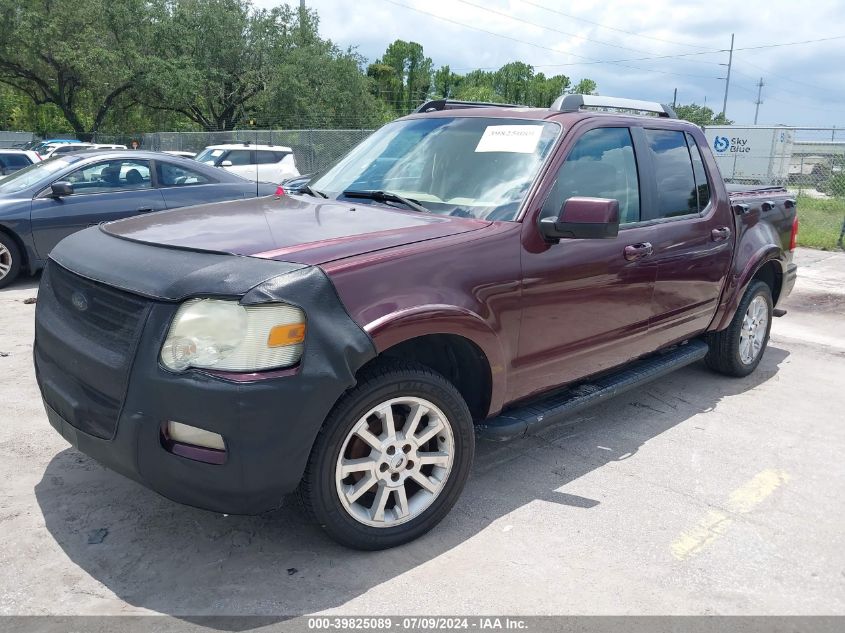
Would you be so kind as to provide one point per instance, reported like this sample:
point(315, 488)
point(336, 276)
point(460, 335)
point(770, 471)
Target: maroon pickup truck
point(468, 270)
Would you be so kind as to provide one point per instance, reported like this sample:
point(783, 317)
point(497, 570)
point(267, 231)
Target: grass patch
point(820, 222)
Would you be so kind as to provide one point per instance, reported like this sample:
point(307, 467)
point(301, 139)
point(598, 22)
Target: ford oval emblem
point(79, 301)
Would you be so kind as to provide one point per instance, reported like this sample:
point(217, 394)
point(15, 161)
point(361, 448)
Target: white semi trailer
point(754, 155)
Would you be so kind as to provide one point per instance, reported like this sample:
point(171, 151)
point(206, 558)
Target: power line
point(549, 28)
point(589, 60)
point(605, 26)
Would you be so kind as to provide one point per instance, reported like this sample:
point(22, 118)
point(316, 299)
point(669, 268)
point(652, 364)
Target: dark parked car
point(43, 203)
point(465, 270)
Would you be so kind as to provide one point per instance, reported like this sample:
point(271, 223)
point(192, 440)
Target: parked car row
point(48, 200)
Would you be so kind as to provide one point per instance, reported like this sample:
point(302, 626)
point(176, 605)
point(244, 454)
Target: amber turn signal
point(289, 334)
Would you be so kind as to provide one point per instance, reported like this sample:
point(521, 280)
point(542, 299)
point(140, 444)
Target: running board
point(539, 414)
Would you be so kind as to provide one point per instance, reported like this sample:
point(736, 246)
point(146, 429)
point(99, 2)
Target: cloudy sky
point(805, 84)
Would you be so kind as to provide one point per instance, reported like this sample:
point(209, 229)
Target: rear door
point(182, 186)
point(694, 241)
point(103, 191)
point(586, 303)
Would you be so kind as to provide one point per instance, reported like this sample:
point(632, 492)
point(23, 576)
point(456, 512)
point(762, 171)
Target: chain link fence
point(15, 139)
point(809, 162)
point(314, 150)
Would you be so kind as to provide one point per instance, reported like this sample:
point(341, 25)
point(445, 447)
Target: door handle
point(144, 210)
point(634, 252)
point(720, 234)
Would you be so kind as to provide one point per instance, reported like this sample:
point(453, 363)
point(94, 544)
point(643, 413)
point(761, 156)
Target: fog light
point(186, 434)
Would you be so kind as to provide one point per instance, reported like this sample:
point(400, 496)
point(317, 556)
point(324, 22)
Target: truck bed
point(742, 191)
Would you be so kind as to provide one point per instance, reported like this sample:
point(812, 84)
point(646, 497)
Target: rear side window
point(601, 165)
point(701, 184)
point(15, 161)
point(170, 175)
point(676, 192)
point(266, 157)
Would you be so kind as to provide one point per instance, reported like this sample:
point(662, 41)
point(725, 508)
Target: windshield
point(32, 175)
point(464, 166)
point(209, 156)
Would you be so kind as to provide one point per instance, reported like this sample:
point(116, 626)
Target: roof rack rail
point(573, 103)
point(447, 104)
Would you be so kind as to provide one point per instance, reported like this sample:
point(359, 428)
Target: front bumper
point(268, 421)
point(268, 427)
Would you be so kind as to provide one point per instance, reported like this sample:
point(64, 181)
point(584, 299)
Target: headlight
point(212, 333)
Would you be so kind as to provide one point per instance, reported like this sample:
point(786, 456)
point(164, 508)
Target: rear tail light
point(280, 191)
point(793, 238)
point(39, 156)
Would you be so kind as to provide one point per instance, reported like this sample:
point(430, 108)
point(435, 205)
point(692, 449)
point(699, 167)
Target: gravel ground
point(697, 494)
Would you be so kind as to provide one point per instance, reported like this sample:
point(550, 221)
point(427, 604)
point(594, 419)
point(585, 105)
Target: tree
point(82, 56)
point(214, 56)
point(445, 82)
point(700, 115)
point(403, 75)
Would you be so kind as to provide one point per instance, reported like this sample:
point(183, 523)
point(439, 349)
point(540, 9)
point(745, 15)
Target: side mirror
point(226, 163)
point(583, 218)
point(61, 189)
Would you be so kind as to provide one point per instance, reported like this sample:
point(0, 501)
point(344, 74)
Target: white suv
point(265, 163)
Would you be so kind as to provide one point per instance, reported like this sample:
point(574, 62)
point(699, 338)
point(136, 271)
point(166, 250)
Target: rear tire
point(738, 349)
point(10, 260)
point(391, 459)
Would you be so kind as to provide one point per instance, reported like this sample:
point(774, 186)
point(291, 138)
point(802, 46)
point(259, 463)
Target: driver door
point(102, 192)
point(586, 303)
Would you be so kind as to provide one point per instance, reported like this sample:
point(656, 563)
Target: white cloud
point(804, 84)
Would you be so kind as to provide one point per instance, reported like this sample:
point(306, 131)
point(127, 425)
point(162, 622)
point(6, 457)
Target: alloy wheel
point(395, 462)
point(754, 327)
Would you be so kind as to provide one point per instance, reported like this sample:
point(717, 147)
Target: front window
point(32, 175)
point(463, 166)
point(112, 175)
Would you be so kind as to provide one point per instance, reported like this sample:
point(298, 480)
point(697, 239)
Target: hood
point(290, 228)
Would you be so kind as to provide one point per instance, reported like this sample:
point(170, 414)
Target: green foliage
point(129, 66)
point(821, 222)
point(81, 56)
point(700, 115)
point(403, 76)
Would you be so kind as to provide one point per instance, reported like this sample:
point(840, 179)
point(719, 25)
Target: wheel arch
point(765, 264)
point(25, 255)
point(453, 341)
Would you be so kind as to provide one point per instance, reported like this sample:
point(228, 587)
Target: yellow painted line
point(715, 523)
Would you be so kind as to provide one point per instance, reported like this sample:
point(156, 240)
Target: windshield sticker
point(520, 139)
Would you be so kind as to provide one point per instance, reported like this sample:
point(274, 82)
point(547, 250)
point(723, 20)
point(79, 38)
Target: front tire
point(391, 459)
point(738, 349)
point(10, 260)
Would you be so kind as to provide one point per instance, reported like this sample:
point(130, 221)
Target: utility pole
point(675, 98)
point(759, 101)
point(728, 78)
